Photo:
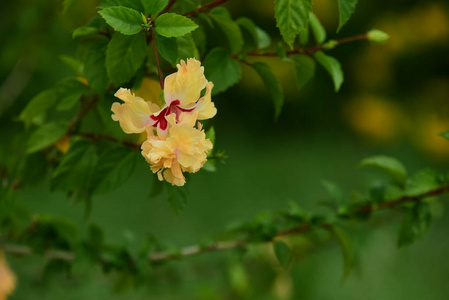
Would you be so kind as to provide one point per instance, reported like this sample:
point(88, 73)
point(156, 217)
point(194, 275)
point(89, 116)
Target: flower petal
point(205, 107)
point(186, 84)
point(134, 114)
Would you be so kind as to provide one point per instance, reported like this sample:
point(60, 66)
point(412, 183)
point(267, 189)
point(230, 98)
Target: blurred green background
point(394, 101)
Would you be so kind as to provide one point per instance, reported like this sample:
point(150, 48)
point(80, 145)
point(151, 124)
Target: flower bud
point(377, 36)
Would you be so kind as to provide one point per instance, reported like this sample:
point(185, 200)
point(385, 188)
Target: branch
point(193, 250)
point(159, 71)
point(312, 50)
point(168, 7)
point(195, 12)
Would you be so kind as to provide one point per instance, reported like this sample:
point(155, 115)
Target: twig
point(193, 250)
point(168, 7)
point(195, 12)
point(312, 50)
point(159, 71)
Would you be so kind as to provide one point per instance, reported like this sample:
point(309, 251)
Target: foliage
point(68, 134)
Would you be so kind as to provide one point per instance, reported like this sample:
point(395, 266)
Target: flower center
point(172, 108)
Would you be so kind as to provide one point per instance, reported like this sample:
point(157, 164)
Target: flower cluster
point(176, 142)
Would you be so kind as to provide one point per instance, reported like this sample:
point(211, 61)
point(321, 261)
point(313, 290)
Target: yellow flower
point(182, 95)
point(7, 279)
point(184, 149)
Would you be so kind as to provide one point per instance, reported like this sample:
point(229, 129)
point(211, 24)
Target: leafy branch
point(312, 223)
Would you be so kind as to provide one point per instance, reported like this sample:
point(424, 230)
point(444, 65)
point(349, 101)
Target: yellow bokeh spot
point(427, 136)
point(63, 144)
point(149, 90)
point(7, 278)
point(374, 118)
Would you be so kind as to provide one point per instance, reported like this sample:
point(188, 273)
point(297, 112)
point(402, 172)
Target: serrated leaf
point(45, 136)
point(124, 56)
point(134, 4)
point(229, 28)
point(346, 9)
point(221, 69)
point(177, 198)
point(174, 25)
point(318, 30)
point(273, 85)
point(168, 49)
point(415, 223)
point(187, 48)
point(332, 67)
point(282, 252)
point(70, 91)
point(305, 69)
point(154, 7)
point(115, 166)
point(123, 19)
point(260, 39)
point(75, 169)
point(388, 165)
point(346, 248)
point(95, 66)
point(292, 18)
point(422, 182)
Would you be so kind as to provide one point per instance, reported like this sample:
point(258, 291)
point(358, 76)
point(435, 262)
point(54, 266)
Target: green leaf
point(154, 7)
point(292, 18)
point(415, 223)
point(318, 30)
point(76, 167)
point(168, 49)
point(334, 191)
point(445, 134)
point(184, 6)
point(332, 66)
point(85, 31)
point(124, 56)
point(388, 165)
point(259, 38)
point(210, 134)
point(423, 182)
point(95, 66)
point(115, 166)
point(134, 4)
point(174, 25)
point(282, 252)
point(38, 105)
point(346, 9)
point(70, 91)
point(45, 136)
point(177, 198)
point(346, 248)
point(123, 19)
point(74, 64)
point(186, 48)
point(263, 39)
point(221, 69)
point(305, 69)
point(273, 85)
point(229, 28)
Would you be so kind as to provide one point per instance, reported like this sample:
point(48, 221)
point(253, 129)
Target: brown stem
point(195, 12)
point(85, 108)
point(312, 50)
point(159, 71)
point(193, 250)
point(168, 7)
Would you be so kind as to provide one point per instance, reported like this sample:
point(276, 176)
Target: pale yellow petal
point(134, 114)
point(186, 84)
point(205, 107)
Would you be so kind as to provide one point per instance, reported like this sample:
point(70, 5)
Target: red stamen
point(172, 108)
